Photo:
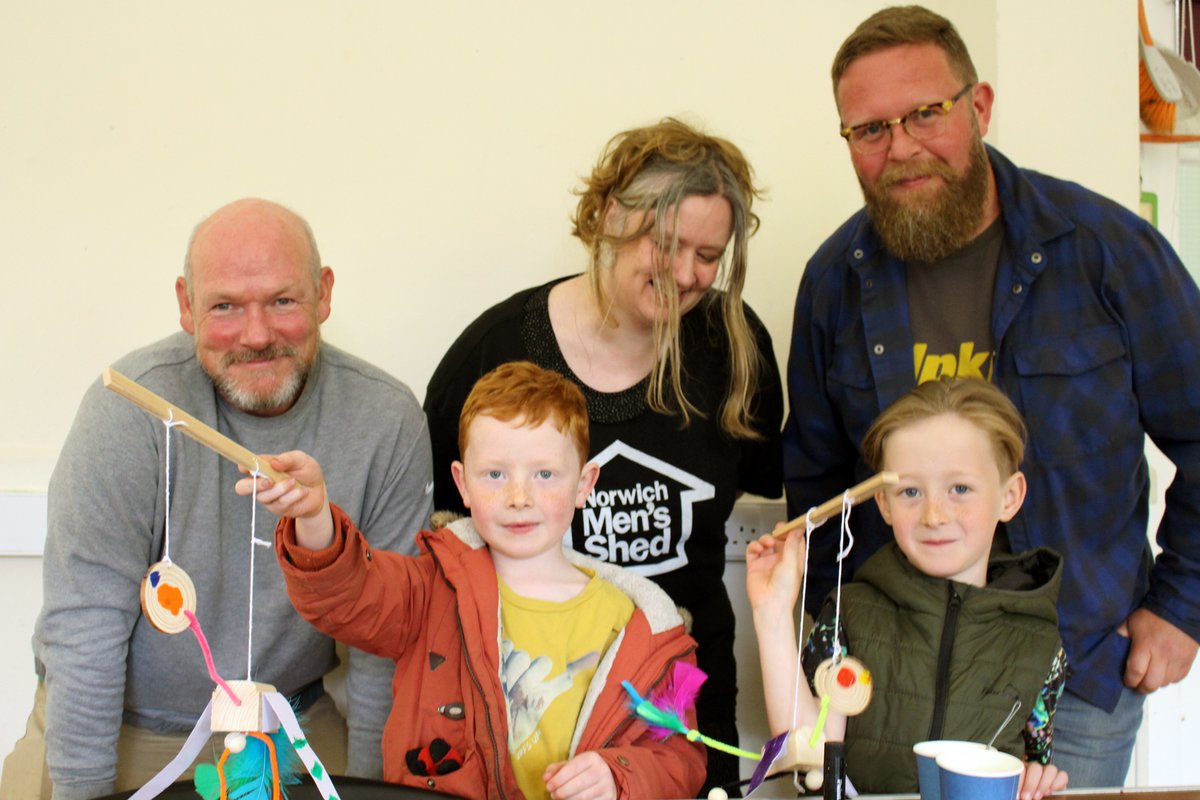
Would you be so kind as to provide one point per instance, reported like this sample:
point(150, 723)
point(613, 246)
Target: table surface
point(348, 789)
point(361, 789)
point(1131, 792)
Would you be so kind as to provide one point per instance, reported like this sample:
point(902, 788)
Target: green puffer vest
point(997, 646)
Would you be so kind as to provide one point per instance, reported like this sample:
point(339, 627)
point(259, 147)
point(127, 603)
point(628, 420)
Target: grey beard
point(935, 229)
point(282, 397)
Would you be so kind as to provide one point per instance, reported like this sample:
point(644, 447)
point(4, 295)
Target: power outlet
point(750, 519)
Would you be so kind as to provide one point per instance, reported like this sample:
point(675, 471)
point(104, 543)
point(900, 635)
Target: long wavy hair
point(651, 170)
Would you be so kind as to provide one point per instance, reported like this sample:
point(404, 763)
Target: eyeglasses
point(923, 122)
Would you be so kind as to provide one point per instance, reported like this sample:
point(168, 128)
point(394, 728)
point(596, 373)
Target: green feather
point(207, 782)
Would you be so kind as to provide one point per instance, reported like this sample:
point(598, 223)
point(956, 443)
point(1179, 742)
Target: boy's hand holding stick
point(833, 505)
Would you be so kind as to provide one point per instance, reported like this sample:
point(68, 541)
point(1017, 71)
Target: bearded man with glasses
point(962, 264)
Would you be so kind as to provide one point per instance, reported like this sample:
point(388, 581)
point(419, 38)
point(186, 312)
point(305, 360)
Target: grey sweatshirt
point(102, 661)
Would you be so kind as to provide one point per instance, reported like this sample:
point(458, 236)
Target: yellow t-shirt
point(548, 653)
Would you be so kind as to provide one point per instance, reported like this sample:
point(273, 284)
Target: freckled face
point(253, 309)
point(522, 485)
point(950, 497)
point(705, 226)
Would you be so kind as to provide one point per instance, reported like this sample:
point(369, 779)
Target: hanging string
point(168, 423)
point(254, 542)
point(845, 544)
point(799, 676)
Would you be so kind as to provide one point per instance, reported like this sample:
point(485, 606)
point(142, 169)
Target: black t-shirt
point(665, 490)
point(950, 310)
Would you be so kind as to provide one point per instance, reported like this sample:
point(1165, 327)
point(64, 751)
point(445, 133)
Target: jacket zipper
point(945, 649)
point(648, 691)
point(475, 680)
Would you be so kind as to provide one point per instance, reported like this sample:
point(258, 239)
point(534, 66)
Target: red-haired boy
point(509, 649)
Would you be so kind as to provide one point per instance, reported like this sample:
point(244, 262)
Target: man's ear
point(982, 97)
point(885, 510)
point(186, 321)
point(456, 470)
point(1014, 496)
point(325, 285)
point(587, 482)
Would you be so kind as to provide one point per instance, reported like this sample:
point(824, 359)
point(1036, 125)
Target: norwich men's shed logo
point(640, 514)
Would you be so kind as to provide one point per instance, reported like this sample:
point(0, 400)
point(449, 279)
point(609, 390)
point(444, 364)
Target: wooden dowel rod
point(833, 505)
point(202, 433)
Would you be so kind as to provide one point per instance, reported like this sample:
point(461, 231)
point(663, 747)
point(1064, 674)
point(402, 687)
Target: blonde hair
point(521, 390)
point(900, 25)
point(652, 170)
point(972, 399)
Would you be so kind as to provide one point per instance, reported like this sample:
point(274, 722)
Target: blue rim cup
point(928, 776)
point(969, 774)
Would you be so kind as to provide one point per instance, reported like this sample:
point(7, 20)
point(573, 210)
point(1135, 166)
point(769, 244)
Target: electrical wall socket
point(750, 519)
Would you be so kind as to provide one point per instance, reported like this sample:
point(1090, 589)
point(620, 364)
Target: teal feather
point(207, 782)
point(248, 773)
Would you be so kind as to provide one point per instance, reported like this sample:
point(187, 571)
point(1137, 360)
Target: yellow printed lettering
point(936, 366)
point(919, 351)
point(970, 365)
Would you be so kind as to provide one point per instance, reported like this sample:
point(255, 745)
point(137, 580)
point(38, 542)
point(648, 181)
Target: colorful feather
point(676, 697)
point(668, 709)
point(248, 774)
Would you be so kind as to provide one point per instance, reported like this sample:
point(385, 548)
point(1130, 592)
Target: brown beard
point(929, 228)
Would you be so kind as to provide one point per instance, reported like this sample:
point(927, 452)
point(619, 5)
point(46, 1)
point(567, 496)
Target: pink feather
point(678, 695)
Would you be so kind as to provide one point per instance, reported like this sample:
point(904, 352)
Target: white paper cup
point(968, 774)
point(928, 776)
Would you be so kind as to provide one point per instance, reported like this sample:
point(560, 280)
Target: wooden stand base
point(252, 715)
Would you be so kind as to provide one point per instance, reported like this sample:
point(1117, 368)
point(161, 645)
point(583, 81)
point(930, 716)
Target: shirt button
point(1018, 288)
point(878, 349)
point(623, 761)
point(1036, 258)
point(858, 254)
point(870, 283)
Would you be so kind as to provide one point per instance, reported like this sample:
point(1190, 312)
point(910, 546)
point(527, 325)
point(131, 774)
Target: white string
point(808, 529)
point(250, 620)
point(168, 423)
point(845, 544)
point(254, 541)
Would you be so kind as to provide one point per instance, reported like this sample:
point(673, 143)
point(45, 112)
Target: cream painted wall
point(433, 147)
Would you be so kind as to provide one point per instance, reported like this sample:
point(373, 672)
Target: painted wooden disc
point(167, 592)
point(847, 683)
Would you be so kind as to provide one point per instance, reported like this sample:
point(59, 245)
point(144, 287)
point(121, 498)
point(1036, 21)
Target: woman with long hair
point(683, 390)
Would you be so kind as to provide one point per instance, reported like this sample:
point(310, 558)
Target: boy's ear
point(456, 470)
point(1014, 496)
point(884, 509)
point(587, 481)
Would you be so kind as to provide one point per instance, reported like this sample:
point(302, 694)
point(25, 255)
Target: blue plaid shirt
point(1096, 328)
